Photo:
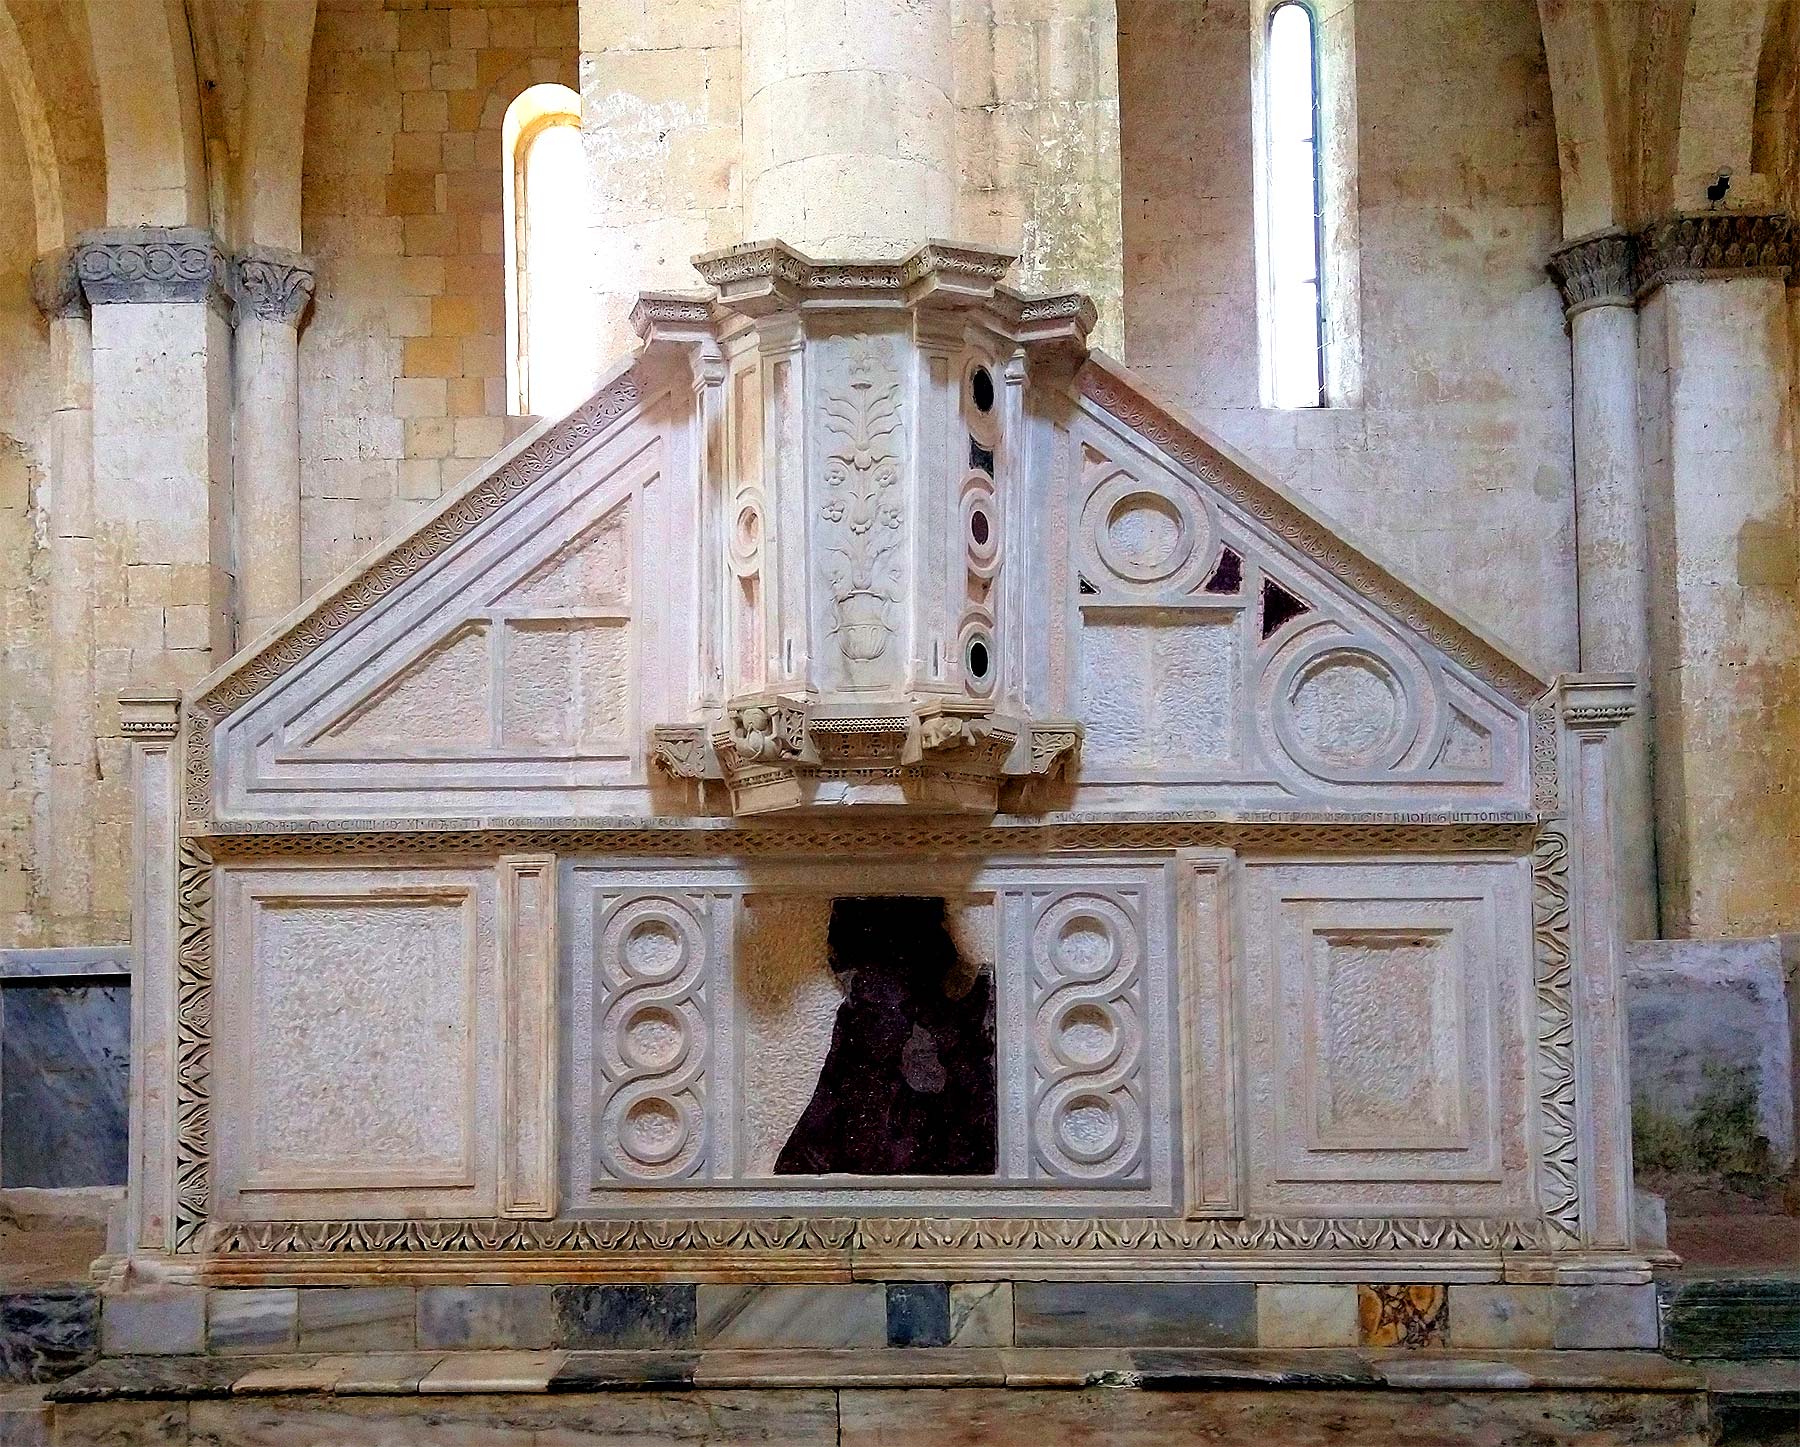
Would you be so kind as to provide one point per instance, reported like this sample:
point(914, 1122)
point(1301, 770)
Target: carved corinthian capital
point(1714, 244)
point(149, 264)
point(1594, 271)
point(273, 284)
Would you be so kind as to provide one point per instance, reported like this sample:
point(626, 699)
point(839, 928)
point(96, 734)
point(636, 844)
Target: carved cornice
point(1595, 271)
point(55, 287)
point(1713, 244)
point(272, 284)
point(967, 267)
point(142, 264)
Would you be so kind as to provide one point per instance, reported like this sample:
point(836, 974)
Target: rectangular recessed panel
point(567, 685)
point(360, 1021)
point(1157, 693)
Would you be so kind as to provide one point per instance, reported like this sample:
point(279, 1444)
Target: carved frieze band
point(272, 284)
point(150, 264)
point(1091, 1241)
point(1560, 1196)
point(1618, 268)
point(193, 1044)
point(388, 571)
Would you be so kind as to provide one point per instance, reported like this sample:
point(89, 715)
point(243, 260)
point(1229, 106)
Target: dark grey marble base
point(46, 1335)
point(65, 1041)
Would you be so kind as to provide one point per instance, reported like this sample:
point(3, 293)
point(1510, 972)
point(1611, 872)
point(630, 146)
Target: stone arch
point(143, 62)
point(43, 54)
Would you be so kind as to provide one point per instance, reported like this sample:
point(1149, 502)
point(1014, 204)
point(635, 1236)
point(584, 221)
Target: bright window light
point(558, 342)
point(1294, 207)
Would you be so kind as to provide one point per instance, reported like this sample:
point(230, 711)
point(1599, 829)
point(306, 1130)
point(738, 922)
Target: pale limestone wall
point(403, 363)
point(1457, 465)
point(1037, 118)
point(24, 556)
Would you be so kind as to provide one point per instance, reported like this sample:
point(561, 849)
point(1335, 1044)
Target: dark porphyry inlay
point(622, 1317)
point(918, 1314)
point(48, 1334)
point(907, 1088)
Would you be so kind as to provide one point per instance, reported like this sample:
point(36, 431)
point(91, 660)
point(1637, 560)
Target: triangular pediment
point(1226, 644)
point(490, 653)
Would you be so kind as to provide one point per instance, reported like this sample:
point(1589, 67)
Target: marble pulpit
point(876, 791)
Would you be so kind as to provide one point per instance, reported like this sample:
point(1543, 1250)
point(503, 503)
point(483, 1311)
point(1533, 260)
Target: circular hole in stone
point(653, 1129)
point(1086, 1035)
point(1085, 945)
point(748, 531)
point(978, 659)
point(1144, 531)
point(978, 528)
point(1089, 1128)
point(654, 1038)
point(981, 390)
point(654, 949)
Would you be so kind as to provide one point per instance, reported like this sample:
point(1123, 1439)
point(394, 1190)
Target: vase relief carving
point(862, 513)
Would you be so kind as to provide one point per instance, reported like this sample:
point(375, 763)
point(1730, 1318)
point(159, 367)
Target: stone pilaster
point(162, 589)
point(69, 793)
point(1595, 275)
point(1716, 439)
point(272, 289)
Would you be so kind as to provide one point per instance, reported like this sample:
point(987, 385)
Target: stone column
point(1714, 387)
point(849, 124)
point(272, 288)
point(1611, 542)
point(69, 793)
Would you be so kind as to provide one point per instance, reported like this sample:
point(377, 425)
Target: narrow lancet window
point(550, 330)
point(1295, 207)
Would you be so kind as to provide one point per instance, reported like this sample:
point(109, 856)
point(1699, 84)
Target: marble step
point(995, 1397)
point(1731, 1317)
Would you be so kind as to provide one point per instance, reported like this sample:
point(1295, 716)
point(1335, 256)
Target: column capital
point(272, 283)
point(139, 264)
point(1594, 271)
point(1704, 245)
point(55, 287)
point(149, 714)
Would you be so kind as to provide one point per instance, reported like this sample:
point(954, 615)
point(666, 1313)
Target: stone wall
point(1457, 464)
point(24, 558)
point(403, 364)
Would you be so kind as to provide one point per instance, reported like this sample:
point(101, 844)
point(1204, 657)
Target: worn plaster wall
point(403, 363)
point(1456, 464)
point(24, 556)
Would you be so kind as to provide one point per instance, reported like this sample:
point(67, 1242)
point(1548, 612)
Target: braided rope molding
point(1560, 1194)
point(1095, 1241)
point(193, 1043)
point(388, 569)
point(936, 837)
point(1120, 398)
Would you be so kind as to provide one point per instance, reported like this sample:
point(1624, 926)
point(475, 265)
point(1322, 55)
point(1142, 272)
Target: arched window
point(1294, 207)
point(550, 334)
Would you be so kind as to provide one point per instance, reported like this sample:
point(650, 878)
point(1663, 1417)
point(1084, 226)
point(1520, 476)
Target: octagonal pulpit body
point(867, 467)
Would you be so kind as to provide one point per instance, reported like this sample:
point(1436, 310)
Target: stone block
point(251, 1321)
point(1402, 1315)
point(485, 1317)
point(1306, 1314)
point(1082, 1313)
point(624, 1317)
point(981, 1314)
point(356, 1318)
point(64, 1072)
point(918, 1314)
point(45, 1335)
point(1501, 1318)
point(154, 1321)
point(1712, 1067)
point(1604, 1317)
point(847, 1315)
point(492, 1372)
point(1732, 1319)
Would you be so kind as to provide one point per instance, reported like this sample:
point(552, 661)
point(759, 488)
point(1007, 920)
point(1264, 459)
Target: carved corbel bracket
point(681, 751)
